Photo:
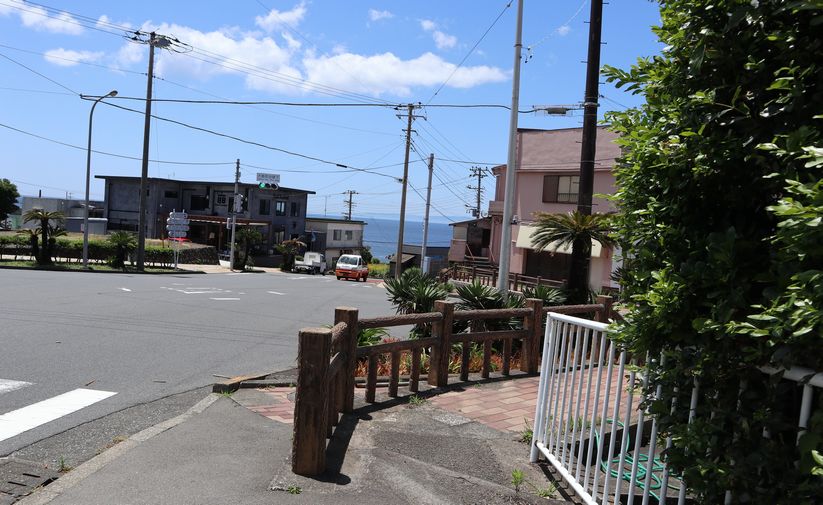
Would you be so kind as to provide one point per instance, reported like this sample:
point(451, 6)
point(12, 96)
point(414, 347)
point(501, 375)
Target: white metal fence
point(588, 424)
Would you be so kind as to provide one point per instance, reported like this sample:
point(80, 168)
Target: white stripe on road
point(125, 289)
point(224, 299)
point(32, 416)
point(276, 293)
point(7, 385)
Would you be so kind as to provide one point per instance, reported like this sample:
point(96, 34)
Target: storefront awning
point(222, 220)
point(524, 240)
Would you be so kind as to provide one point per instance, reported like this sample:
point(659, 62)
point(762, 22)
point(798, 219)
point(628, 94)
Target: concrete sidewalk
point(434, 450)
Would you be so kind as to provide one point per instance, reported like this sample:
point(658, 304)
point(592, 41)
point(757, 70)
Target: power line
point(81, 148)
point(38, 73)
point(251, 142)
point(471, 51)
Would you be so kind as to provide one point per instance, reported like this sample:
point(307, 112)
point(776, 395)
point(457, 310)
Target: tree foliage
point(721, 209)
point(8, 199)
point(48, 233)
point(124, 242)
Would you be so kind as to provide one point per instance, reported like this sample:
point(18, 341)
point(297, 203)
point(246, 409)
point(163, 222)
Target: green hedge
point(100, 250)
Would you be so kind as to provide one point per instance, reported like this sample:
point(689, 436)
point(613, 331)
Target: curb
point(41, 269)
point(55, 489)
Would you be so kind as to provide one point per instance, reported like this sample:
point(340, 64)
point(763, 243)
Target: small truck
point(312, 263)
point(351, 266)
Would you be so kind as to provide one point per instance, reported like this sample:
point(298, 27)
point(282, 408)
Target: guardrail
point(589, 427)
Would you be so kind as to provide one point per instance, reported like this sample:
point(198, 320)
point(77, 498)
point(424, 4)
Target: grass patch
point(95, 267)
point(416, 400)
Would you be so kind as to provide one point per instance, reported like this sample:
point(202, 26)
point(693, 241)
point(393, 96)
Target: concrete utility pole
point(161, 42)
point(480, 173)
point(233, 212)
point(426, 217)
point(511, 162)
point(398, 258)
point(349, 202)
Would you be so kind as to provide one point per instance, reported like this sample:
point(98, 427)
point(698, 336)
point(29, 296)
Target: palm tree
point(124, 242)
point(577, 230)
point(246, 237)
point(45, 217)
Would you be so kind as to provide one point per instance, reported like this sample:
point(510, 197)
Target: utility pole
point(349, 202)
point(161, 42)
point(426, 217)
point(480, 173)
point(233, 212)
point(511, 168)
point(398, 258)
point(581, 249)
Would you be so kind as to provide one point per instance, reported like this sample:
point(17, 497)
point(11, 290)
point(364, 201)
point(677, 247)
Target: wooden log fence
point(488, 277)
point(328, 357)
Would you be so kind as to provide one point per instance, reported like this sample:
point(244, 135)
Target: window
point(280, 208)
point(265, 207)
point(295, 209)
point(170, 194)
point(560, 188)
point(337, 235)
point(221, 199)
point(199, 202)
point(349, 234)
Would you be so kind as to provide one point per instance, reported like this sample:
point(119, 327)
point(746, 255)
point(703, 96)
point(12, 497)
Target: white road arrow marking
point(125, 289)
point(7, 385)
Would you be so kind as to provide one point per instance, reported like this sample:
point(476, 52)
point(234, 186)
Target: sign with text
point(270, 178)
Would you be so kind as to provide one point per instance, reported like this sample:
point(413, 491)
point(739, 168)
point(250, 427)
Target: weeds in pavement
point(518, 479)
point(294, 489)
point(527, 433)
point(62, 466)
point(416, 401)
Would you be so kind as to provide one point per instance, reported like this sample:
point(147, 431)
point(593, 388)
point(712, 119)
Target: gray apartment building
point(278, 214)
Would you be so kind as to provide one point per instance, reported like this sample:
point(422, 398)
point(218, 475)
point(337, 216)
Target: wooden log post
point(309, 443)
point(349, 316)
point(533, 324)
point(439, 362)
point(394, 378)
point(371, 379)
point(414, 376)
point(607, 302)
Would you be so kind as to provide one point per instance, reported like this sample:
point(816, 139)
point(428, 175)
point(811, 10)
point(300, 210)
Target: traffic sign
point(270, 178)
point(177, 234)
point(177, 227)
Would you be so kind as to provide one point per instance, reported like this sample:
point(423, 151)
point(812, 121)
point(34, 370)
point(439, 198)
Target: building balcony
point(495, 207)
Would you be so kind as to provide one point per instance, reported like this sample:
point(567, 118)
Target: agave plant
point(550, 296)
point(413, 293)
point(476, 296)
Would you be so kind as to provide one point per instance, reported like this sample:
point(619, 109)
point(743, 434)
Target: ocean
point(381, 235)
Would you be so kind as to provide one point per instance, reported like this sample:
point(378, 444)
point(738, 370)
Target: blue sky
point(314, 51)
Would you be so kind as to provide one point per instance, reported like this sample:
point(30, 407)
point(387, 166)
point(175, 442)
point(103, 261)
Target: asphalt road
point(150, 337)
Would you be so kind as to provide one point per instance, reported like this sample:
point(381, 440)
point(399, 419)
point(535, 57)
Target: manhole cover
point(19, 478)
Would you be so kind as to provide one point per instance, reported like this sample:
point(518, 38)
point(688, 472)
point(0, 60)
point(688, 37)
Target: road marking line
point(221, 299)
point(7, 385)
point(276, 293)
point(32, 416)
point(125, 289)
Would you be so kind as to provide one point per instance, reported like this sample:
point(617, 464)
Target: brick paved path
point(509, 407)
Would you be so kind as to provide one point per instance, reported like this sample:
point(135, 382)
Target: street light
point(88, 176)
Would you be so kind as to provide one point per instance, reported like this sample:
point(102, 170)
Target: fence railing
point(488, 277)
point(589, 426)
point(328, 358)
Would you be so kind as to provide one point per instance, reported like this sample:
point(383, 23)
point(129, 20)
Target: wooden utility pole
point(349, 203)
point(233, 212)
point(398, 257)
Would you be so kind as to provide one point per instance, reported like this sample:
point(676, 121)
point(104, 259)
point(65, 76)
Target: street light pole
point(88, 177)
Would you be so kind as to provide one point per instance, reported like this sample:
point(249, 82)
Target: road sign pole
point(234, 214)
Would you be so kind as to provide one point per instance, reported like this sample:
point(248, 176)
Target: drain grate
point(19, 478)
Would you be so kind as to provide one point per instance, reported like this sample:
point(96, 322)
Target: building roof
point(469, 221)
point(335, 220)
point(178, 181)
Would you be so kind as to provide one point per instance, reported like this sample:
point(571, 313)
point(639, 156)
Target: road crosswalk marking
point(24, 419)
point(7, 385)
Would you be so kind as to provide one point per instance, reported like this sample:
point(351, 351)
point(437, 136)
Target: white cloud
point(292, 42)
point(106, 23)
point(444, 41)
point(386, 74)
point(441, 39)
point(275, 19)
point(38, 18)
point(70, 58)
point(376, 15)
point(564, 30)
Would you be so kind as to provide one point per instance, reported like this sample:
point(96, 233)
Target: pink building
point(548, 168)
